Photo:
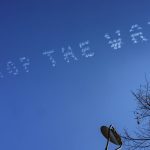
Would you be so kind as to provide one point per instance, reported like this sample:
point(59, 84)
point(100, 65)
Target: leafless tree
point(141, 138)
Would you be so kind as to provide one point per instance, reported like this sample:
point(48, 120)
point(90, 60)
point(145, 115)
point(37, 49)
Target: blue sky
point(62, 107)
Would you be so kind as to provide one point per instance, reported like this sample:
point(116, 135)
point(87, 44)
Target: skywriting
point(114, 41)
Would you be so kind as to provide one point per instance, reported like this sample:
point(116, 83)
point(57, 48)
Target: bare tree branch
point(141, 139)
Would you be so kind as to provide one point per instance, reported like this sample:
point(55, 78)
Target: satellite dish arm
point(119, 147)
point(106, 148)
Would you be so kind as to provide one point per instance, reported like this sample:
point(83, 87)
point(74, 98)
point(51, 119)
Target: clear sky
point(62, 108)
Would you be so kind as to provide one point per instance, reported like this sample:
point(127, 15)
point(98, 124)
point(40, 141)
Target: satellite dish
point(111, 135)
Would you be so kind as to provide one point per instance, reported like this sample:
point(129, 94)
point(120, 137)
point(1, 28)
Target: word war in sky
point(136, 36)
point(114, 41)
